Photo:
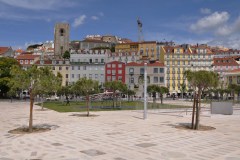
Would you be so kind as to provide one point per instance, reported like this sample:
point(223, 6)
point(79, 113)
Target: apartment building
point(115, 70)
point(89, 64)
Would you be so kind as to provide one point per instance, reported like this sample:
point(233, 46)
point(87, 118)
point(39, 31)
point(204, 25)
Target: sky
point(215, 22)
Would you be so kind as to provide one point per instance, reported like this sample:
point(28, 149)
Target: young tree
point(200, 81)
point(115, 86)
point(161, 91)
point(130, 93)
point(86, 87)
point(36, 81)
point(152, 90)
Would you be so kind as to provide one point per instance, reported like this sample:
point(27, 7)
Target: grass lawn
point(105, 106)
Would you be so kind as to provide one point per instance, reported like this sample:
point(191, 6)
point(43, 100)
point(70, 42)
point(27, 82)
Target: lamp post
point(145, 91)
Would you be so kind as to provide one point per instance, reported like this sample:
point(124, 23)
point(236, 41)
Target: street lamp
point(145, 91)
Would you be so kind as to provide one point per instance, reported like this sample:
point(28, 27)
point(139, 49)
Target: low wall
point(225, 108)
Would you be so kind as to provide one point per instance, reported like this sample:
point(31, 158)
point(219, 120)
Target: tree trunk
point(193, 112)
point(87, 105)
point(161, 97)
point(42, 103)
point(31, 112)
point(198, 109)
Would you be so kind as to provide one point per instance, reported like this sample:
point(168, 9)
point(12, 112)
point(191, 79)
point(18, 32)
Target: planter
point(225, 108)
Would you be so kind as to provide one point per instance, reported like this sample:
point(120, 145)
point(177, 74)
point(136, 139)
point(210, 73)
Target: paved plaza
point(116, 135)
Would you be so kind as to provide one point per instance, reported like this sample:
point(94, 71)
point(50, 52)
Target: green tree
point(200, 81)
point(36, 81)
point(86, 87)
point(162, 90)
point(183, 88)
point(5, 76)
point(152, 90)
point(66, 55)
point(115, 86)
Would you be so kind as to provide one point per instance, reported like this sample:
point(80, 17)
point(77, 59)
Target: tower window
point(62, 32)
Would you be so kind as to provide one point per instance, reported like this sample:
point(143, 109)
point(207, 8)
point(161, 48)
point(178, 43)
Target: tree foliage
point(66, 55)
point(5, 76)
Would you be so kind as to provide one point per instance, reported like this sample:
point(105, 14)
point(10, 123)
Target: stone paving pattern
point(115, 135)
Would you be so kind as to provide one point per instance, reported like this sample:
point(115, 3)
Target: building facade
point(6, 52)
point(124, 57)
point(135, 75)
point(27, 60)
point(115, 71)
point(88, 64)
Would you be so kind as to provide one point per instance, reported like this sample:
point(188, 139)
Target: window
point(108, 65)
point(60, 68)
point(119, 65)
point(79, 76)
point(120, 78)
point(161, 70)
point(90, 60)
point(66, 75)
point(102, 60)
point(238, 79)
point(26, 61)
point(178, 62)
point(31, 61)
point(108, 78)
point(131, 80)
point(72, 67)
point(72, 75)
point(66, 68)
point(131, 70)
point(113, 78)
point(96, 76)
point(161, 79)
point(109, 72)
point(21, 61)
point(155, 70)
point(53, 68)
point(79, 68)
point(84, 67)
point(113, 71)
point(155, 79)
point(96, 60)
point(113, 65)
point(141, 70)
point(119, 71)
point(90, 76)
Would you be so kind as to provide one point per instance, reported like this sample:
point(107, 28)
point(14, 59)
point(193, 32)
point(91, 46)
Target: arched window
point(62, 31)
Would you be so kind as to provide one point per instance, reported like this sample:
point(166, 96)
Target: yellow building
point(181, 58)
point(57, 66)
point(127, 47)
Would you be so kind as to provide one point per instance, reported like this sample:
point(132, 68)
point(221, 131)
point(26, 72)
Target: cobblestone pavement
point(115, 135)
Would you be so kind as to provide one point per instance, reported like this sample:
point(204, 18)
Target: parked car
point(52, 98)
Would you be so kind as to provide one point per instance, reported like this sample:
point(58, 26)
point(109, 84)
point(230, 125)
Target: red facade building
point(115, 71)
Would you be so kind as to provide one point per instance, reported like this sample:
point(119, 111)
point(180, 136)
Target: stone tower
point(61, 39)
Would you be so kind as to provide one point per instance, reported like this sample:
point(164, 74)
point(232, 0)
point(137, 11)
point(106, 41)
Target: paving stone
point(93, 152)
point(232, 158)
point(174, 154)
point(33, 153)
point(145, 145)
point(56, 144)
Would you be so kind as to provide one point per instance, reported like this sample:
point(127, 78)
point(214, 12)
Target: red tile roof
point(4, 50)
point(27, 57)
point(225, 61)
point(235, 70)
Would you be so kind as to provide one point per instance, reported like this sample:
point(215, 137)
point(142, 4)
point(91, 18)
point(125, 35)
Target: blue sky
point(216, 22)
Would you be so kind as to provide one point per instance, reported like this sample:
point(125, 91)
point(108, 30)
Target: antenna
point(140, 33)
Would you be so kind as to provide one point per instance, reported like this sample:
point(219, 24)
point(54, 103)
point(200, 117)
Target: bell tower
point(61, 39)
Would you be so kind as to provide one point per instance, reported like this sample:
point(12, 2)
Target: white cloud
point(79, 21)
point(101, 14)
point(94, 18)
point(230, 42)
point(38, 5)
point(210, 22)
point(229, 29)
point(205, 11)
